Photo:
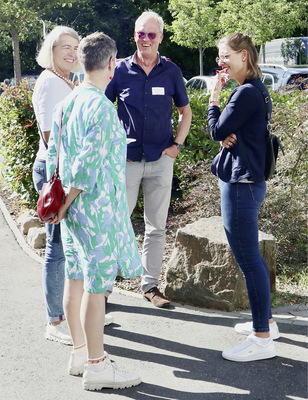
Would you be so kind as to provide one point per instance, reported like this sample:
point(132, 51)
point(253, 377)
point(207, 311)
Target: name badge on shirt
point(158, 91)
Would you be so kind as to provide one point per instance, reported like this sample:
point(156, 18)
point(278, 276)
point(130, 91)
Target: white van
point(286, 51)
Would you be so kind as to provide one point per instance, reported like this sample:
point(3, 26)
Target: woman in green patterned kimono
point(98, 238)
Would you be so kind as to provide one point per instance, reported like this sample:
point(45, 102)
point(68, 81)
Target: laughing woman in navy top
point(242, 130)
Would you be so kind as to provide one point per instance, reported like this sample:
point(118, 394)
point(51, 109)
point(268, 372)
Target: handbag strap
point(41, 135)
point(59, 138)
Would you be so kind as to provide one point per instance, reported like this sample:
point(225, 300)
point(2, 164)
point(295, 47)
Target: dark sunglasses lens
point(152, 36)
point(141, 35)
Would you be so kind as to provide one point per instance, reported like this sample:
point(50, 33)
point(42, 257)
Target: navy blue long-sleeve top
point(245, 115)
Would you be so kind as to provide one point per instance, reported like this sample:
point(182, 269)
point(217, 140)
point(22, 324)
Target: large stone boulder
point(37, 237)
point(203, 272)
point(27, 221)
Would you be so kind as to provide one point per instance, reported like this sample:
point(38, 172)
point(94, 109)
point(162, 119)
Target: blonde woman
point(58, 57)
point(242, 129)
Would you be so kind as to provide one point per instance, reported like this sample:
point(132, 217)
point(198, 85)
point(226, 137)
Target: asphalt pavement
point(177, 351)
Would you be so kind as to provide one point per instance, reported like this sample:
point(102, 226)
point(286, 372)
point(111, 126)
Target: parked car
point(201, 82)
point(205, 83)
point(279, 77)
point(30, 79)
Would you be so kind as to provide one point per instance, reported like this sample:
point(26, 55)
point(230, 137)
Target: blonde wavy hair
point(45, 54)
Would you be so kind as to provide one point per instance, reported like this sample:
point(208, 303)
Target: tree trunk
point(16, 54)
point(263, 51)
point(201, 60)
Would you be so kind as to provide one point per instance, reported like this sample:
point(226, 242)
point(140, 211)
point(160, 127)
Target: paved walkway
point(176, 351)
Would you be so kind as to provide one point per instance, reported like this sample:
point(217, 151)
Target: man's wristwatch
point(178, 145)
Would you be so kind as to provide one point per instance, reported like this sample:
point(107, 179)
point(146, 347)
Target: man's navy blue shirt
point(145, 105)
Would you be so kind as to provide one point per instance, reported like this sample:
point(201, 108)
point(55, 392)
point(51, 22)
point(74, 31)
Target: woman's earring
point(110, 77)
point(244, 58)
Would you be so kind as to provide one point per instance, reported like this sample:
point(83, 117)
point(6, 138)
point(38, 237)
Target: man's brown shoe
point(156, 298)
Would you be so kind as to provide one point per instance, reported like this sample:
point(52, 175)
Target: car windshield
point(268, 80)
point(274, 75)
point(203, 85)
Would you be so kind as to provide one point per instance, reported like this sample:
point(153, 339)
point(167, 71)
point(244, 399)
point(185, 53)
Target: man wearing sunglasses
point(146, 85)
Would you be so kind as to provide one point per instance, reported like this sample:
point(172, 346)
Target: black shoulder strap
point(268, 118)
point(266, 100)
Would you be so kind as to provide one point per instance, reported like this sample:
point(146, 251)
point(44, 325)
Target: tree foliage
point(194, 24)
point(264, 20)
point(190, 25)
point(20, 20)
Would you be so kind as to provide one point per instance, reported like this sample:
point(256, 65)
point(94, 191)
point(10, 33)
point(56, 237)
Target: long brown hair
point(239, 41)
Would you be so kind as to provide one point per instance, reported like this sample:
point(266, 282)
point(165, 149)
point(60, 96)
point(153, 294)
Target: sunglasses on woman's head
point(142, 35)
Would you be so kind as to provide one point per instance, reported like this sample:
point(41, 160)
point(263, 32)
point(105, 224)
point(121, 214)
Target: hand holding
point(230, 141)
point(59, 216)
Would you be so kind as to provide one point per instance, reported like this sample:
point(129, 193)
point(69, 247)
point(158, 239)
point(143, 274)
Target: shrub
point(198, 144)
point(284, 212)
point(18, 141)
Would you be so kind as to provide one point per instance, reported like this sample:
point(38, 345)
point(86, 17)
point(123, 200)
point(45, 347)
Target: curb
point(18, 235)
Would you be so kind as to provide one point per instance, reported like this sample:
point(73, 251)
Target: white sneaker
point(76, 363)
point(110, 377)
point(246, 329)
point(251, 350)
point(108, 319)
point(59, 333)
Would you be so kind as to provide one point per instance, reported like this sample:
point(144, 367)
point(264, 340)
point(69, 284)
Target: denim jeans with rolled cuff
point(240, 205)
point(54, 264)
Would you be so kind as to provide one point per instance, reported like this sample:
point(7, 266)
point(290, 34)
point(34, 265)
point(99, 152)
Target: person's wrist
point(178, 145)
point(213, 102)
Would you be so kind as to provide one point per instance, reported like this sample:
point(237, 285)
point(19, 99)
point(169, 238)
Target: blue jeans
point(53, 268)
point(240, 205)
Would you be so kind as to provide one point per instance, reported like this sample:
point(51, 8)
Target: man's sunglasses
point(142, 35)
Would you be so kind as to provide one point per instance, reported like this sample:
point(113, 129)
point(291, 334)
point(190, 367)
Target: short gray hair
point(151, 14)
point(45, 54)
point(95, 51)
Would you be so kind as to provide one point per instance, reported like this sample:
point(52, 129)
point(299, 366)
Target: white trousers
point(156, 179)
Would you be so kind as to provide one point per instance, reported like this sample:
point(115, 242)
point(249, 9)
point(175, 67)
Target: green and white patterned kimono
point(97, 234)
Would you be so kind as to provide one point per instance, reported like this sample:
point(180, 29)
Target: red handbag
point(52, 194)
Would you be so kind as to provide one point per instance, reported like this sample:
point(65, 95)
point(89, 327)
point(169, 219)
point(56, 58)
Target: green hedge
point(284, 212)
point(18, 142)
point(198, 145)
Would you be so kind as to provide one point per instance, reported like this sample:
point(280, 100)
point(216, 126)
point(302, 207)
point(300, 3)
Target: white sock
point(81, 350)
point(262, 341)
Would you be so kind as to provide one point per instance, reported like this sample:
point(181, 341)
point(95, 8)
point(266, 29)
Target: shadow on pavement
point(276, 379)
